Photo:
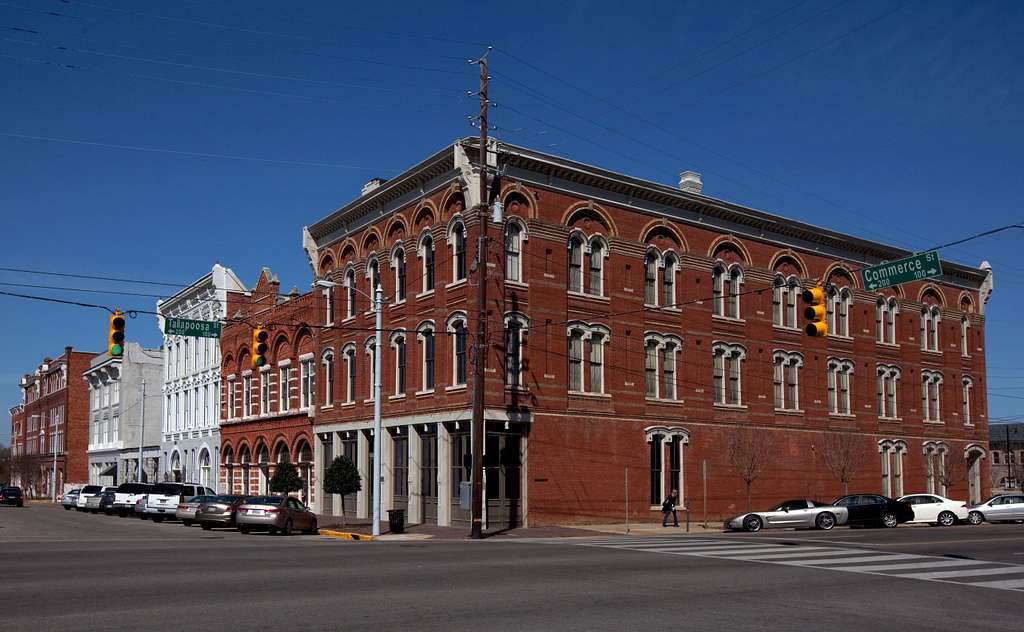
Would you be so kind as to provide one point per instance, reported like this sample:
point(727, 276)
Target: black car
point(12, 496)
point(107, 502)
point(875, 510)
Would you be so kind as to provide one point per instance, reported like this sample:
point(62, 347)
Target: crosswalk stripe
point(848, 560)
point(791, 554)
point(1002, 583)
point(966, 572)
point(922, 564)
point(727, 551)
point(645, 545)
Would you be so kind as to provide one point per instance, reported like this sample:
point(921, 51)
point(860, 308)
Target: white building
point(116, 418)
point(190, 440)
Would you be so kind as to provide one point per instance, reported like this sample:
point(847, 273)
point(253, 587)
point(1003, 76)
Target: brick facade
point(569, 449)
point(55, 400)
point(255, 437)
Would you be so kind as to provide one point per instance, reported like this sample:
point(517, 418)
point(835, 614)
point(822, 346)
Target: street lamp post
point(378, 308)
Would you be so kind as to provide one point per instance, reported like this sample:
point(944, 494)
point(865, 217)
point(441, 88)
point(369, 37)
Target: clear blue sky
point(893, 121)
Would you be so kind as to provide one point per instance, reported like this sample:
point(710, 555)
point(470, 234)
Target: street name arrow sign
point(923, 266)
point(194, 328)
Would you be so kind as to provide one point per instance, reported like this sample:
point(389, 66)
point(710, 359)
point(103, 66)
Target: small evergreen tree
point(286, 479)
point(342, 478)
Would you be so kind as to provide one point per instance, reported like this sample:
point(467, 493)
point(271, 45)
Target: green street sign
point(922, 266)
point(194, 328)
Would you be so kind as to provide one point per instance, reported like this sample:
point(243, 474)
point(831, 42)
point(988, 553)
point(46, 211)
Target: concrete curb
point(346, 535)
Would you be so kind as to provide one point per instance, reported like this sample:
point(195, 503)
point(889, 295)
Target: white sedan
point(936, 509)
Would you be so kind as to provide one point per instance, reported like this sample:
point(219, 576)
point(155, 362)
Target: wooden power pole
point(481, 327)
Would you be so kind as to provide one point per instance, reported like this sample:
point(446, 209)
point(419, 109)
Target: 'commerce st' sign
point(922, 266)
point(194, 328)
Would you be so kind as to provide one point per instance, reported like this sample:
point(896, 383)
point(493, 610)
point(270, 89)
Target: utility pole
point(142, 426)
point(481, 328)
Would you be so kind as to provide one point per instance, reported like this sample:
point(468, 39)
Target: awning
point(110, 470)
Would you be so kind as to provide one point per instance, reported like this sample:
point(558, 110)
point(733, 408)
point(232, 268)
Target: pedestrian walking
point(669, 507)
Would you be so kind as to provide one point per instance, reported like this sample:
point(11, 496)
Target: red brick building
point(633, 327)
point(266, 412)
point(54, 413)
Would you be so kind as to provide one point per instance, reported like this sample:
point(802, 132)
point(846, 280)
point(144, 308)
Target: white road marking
point(859, 560)
point(969, 572)
point(1014, 584)
point(911, 565)
point(802, 552)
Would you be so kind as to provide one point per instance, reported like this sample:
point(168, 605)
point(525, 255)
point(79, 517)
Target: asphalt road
point(71, 571)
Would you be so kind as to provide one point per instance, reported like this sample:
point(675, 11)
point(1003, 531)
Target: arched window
point(668, 281)
point(968, 391)
point(457, 327)
point(786, 379)
point(840, 300)
point(965, 329)
point(660, 361)
point(327, 360)
point(575, 263)
point(886, 310)
point(887, 378)
point(349, 353)
point(650, 278)
point(931, 316)
point(892, 453)
point(931, 387)
point(398, 263)
point(515, 340)
point(426, 253)
point(370, 348)
point(586, 357)
point(428, 368)
point(935, 453)
point(373, 276)
point(595, 277)
point(727, 366)
point(457, 240)
point(726, 284)
point(785, 291)
point(398, 344)
point(839, 372)
point(350, 291)
point(513, 251)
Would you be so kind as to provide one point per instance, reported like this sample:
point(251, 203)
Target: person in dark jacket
point(669, 507)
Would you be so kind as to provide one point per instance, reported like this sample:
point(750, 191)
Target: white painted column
point(413, 513)
point(444, 476)
point(387, 473)
point(363, 463)
point(335, 498)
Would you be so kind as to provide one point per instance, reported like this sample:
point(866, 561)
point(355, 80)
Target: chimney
point(372, 184)
point(689, 181)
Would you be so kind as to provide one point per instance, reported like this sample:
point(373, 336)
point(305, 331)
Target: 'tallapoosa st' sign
point(194, 328)
point(890, 273)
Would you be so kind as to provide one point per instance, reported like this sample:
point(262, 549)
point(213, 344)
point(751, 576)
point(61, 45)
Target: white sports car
point(792, 513)
point(935, 509)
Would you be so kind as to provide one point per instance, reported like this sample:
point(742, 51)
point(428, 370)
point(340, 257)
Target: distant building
point(1006, 442)
point(190, 437)
point(115, 416)
point(53, 413)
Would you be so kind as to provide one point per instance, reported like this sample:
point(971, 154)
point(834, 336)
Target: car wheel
point(312, 528)
point(205, 526)
point(825, 521)
point(158, 518)
point(67, 509)
point(975, 518)
point(752, 524)
point(187, 523)
point(243, 529)
point(287, 527)
point(889, 520)
point(947, 519)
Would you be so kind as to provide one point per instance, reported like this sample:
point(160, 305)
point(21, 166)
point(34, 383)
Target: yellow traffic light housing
point(115, 335)
point(260, 337)
point(815, 313)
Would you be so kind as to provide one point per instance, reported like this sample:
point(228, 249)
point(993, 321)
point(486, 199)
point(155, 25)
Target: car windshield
point(264, 500)
point(166, 489)
point(202, 499)
point(91, 489)
point(225, 499)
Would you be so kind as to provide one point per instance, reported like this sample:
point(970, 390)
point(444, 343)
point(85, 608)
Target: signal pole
point(481, 327)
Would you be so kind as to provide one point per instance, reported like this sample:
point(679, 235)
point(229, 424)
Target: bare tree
point(954, 472)
point(844, 455)
point(750, 451)
point(25, 470)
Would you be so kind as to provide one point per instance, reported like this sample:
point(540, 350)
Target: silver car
point(1009, 507)
point(277, 514)
point(802, 513)
point(186, 511)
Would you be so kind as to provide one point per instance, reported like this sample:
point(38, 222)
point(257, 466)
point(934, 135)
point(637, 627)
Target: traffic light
point(115, 336)
point(259, 346)
point(815, 313)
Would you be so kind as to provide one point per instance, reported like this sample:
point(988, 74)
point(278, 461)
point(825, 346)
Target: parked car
point(92, 503)
point(107, 497)
point(186, 511)
point(127, 495)
point(162, 501)
point(140, 507)
point(791, 513)
point(277, 514)
point(12, 496)
point(875, 510)
point(936, 510)
point(70, 499)
point(85, 494)
point(1008, 507)
point(220, 511)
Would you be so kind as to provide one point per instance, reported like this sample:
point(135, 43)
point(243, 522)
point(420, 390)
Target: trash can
point(396, 520)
